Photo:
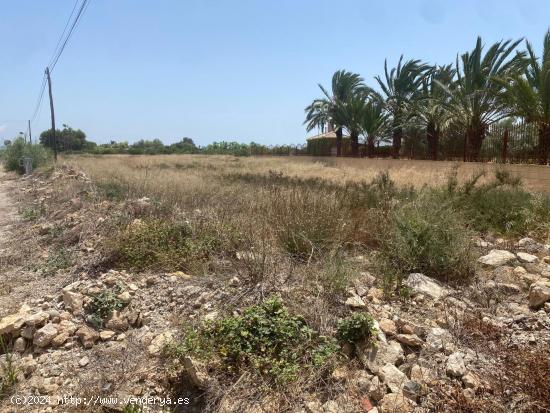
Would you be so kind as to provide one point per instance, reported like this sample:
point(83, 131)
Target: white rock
point(455, 365)
point(395, 403)
point(410, 340)
point(496, 258)
point(159, 342)
point(83, 361)
point(528, 258)
point(45, 335)
point(375, 356)
point(73, 301)
point(20, 345)
point(437, 338)
point(392, 377)
point(355, 302)
point(420, 283)
point(539, 293)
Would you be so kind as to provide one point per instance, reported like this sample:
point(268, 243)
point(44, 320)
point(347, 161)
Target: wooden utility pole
point(54, 140)
point(30, 133)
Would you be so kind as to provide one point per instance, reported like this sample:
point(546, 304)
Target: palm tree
point(475, 100)
point(344, 85)
point(529, 95)
point(430, 109)
point(350, 113)
point(375, 122)
point(400, 87)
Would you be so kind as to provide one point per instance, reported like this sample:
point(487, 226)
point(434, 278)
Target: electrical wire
point(63, 33)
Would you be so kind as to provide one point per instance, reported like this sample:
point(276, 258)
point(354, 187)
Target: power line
point(63, 34)
point(69, 33)
point(39, 100)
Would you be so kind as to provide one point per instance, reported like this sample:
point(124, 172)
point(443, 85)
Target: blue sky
point(236, 70)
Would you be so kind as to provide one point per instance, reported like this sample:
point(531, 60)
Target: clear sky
point(235, 70)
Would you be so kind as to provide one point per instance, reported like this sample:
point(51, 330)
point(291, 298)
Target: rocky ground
point(481, 347)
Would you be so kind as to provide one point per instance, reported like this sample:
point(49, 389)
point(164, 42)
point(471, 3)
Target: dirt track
point(7, 209)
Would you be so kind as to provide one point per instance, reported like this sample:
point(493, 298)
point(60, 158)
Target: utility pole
point(30, 133)
point(54, 141)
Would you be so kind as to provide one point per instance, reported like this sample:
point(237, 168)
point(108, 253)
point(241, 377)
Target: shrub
point(162, 244)
point(101, 307)
point(266, 338)
point(307, 223)
point(356, 328)
point(13, 153)
point(8, 378)
point(57, 260)
point(427, 235)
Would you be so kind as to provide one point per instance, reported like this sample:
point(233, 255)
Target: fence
point(516, 143)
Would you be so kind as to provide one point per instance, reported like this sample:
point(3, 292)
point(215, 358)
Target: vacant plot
point(280, 284)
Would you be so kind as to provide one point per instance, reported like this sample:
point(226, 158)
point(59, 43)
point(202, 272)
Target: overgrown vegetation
point(359, 327)
point(266, 339)
point(58, 259)
point(13, 154)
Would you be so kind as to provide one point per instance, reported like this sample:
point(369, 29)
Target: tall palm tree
point(429, 108)
point(400, 87)
point(529, 95)
point(344, 85)
point(475, 100)
point(350, 113)
point(375, 122)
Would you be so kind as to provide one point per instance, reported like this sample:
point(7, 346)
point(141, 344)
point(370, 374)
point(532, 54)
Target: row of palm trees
point(483, 87)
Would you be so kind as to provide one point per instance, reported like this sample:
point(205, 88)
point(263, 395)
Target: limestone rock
point(375, 356)
point(392, 377)
point(422, 284)
point(87, 336)
point(539, 293)
point(528, 258)
point(45, 335)
point(355, 302)
point(496, 258)
point(437, 338)
point(196, 372)
point(20, 345)
point(388, 326)
point(455, 365)
point(117, 322)
point(37, 319)
point(411, 340)
point(159, 342)
point(106, 335)
point(395, 403)
point(60, 339)
point(377, 389)
point(73, 301)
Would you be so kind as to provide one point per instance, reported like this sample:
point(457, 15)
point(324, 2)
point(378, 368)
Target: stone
point(539, 293)
point(455, 365)
point(377, 389)
point(412, 390)
point(375, 295)
point(395, 403)
point(375, 356)
point(20, 345)
point(411, 340)
point(117, 322)
point(421, 374)
point(106, 335)
point(88, 336)
point(519, 270)
point(60, 339)
point(331, 406)
point(355, 302)
point(529, 244)
point(388, 326)
point(73, 301)
point(437, 338)
point(8, 323)
point(528, 258)
point(45, 335)
point(496, 258)
point(37, 319)
point(392, 377)
point(159, 343)
point(422, 284)
point(471, 381)
point(125, 297)
point(83, 362)
point(28, 332)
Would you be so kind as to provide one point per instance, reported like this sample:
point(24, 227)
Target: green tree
point(326, 110)
point(528, 95)
point(401, 87)
point(186, 145)
point(375, 122)
point(476, 98)
point(430, 108)
point(67, 139)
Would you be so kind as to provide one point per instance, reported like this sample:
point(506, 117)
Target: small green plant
point(163, 245)
point(337, 272)
point(356, 328)
point(102, 306)
point(8, 378)
point(58, 259)
point(132, 408)
point(265, 338)
point(428, 236)
point(29, 213)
